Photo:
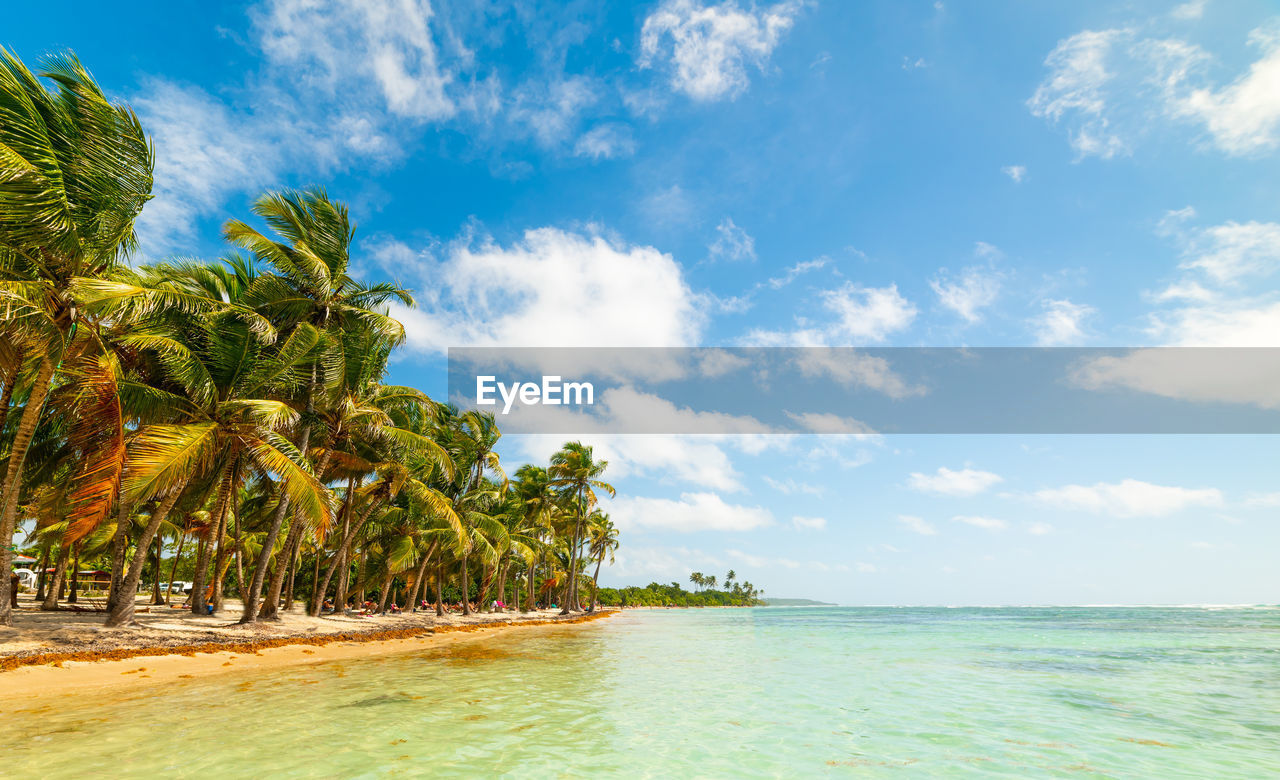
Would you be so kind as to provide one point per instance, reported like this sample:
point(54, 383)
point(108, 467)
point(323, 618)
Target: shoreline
point(41, 672)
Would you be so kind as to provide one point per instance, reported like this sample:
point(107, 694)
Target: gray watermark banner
point(867, 391)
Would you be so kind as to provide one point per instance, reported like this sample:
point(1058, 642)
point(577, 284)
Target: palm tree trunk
point(361, 573)
point(333, 566)
point(595, 583)
point(572, 590)
point(419, 575)
point(12, 480)
point(465, 579)
point(42, 579)
point(119, 548)
point(59, 571)
point(251, 603)
point(74, 595)
point(220, 562)
point(439, 588)
point(155, 587)
point(292, 545)
point(386, 591)
point(7, 397)
point(122, 611)
point(529, 600)
point(173, 570)
point(202, 559)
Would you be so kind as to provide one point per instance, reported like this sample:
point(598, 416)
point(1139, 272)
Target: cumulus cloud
point(950, 482)
point(1015, 172)
point(691, 512)
point(551, 288)
point(709, 47)
point(1128, 498)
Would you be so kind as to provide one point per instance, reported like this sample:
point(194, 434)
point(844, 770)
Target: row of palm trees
point(237, 407)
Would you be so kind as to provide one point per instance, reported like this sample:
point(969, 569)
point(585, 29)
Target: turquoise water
point(1116, 692)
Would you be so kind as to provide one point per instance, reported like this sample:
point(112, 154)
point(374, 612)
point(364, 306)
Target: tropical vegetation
point(229, 422)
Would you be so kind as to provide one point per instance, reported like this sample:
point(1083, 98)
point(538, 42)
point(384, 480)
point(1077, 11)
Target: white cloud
point(1218, 301)
point(1062, 323)
point(1039, 529)
point(1244, 116)
point(350, 46)
point(825, 422)
point(606, 142)
point(862, 315)
point(986, 523)
point(802, 267)
point(1231, 251)
point(918, 525)
point(949, 482)
point(1189, 11)
point(810, 523)
point(973, 291)
point(692, 512)
point(1208, 375)
point(204, 152)
point(552, 288)
point(863, 567)
point(869, 313)
point(1262, 501)
point(1015, 172)
point(662, 563)
point(1076, 84)
point(732, 243)
point(710, 46)
point(1108, 85)
point(790, 486)
point(1128, 498)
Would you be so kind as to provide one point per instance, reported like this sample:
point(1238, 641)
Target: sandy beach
point(55, 653)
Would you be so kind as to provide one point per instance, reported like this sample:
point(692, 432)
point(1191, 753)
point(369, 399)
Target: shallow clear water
point(1124, 692)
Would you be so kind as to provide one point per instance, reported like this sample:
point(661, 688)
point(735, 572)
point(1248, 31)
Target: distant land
point(796, 603)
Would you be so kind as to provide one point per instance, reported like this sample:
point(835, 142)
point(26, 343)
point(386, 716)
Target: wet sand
point(61, 653)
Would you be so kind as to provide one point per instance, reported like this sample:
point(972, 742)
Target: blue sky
point(800, 173)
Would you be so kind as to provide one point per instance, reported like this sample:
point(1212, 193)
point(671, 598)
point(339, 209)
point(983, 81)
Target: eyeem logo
point(552, 392)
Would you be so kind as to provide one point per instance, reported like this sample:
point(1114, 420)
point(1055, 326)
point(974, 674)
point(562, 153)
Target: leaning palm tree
point(75, 172)
point(220, 382)
point(309, 257)
point(575, 471)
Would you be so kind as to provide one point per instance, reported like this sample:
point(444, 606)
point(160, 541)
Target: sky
point(693, 173)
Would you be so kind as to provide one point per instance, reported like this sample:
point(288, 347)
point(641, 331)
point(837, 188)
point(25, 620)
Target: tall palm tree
point(604, 541)
point(75, 172)
point(309, 257)
point(575, 470)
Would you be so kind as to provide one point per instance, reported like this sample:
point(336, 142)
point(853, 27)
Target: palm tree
point(310, 256)
point(604, 541)
point(220, 383)
point(74, 175)
point(575, 470)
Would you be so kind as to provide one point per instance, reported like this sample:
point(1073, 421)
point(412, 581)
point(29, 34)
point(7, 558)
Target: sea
point(1151, 692)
